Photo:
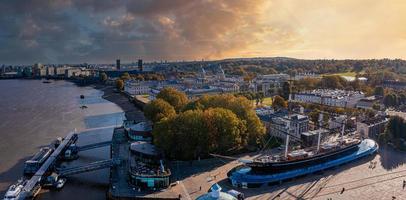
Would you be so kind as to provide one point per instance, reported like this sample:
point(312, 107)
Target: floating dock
point(242, 176)
point(33, 185)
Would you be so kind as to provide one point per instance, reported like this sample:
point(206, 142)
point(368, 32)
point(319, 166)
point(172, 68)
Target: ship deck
point(243, 177)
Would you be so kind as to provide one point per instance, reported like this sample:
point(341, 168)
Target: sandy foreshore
point(130, 110)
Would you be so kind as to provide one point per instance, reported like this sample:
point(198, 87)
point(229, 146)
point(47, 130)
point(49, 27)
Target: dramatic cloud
point(98, 31)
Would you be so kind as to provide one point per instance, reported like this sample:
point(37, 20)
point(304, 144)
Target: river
point(33, 114)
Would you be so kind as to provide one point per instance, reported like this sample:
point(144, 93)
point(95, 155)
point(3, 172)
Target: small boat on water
point(83, 107)
point(46, 81)
point(14, 190)
point(61, 182)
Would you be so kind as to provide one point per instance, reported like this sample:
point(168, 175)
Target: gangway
point(87, 168)
point(93, 146)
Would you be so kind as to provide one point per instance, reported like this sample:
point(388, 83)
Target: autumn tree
point(279, 102)
point(125, 76)
point(174, 97)
point(119, 84)
point(244, 110)
point(158, 109)
point(333, 82)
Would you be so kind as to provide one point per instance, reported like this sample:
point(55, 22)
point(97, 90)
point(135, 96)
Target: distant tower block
point(118, 64)
point(140, 65)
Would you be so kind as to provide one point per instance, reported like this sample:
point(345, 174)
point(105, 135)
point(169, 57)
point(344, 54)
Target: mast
point(319, 136)
point(286, 145)
point(343, 129)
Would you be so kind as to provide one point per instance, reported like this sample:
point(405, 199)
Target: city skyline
point(102, 31)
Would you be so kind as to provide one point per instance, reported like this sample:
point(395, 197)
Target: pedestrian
point(404, 184)
point(342, 191)
point(200, 188)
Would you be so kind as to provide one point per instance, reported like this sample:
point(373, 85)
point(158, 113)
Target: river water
point(33, 114)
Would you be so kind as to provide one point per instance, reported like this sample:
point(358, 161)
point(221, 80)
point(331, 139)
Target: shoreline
point(130, 110)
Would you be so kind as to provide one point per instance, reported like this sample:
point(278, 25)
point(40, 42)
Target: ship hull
point(275, 167)
point(244, 177)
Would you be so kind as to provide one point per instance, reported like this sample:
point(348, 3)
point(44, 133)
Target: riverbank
point(130, 110)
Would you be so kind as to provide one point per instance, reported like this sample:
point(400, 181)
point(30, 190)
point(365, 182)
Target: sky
point(100, 31)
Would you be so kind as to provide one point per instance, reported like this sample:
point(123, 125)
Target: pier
point(33, 185)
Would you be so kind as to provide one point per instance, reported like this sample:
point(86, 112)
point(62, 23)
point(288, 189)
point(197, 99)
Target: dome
point(218, 196)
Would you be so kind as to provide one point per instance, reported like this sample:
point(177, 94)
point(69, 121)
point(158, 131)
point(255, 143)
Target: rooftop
point(141, 126)
point(144, 148)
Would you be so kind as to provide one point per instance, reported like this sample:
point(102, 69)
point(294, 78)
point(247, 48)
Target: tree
point(285, 90)
point(174, 97)
point(158, 109)
point(278, 102)
point(125, 76)
point(244, 110)
point(103, 77)
point(195, 133)
point(225, 130)
point(390, 100)
point(333, 82)
point(394, 131)
point(379, 91)
point(119, 84)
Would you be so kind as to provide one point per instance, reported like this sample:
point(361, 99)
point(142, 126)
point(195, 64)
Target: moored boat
point(14, 190)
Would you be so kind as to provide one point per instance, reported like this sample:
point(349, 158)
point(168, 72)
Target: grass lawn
point(267, 101)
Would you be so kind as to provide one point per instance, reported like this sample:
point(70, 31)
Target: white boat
point(14, 190)
point(61, 182)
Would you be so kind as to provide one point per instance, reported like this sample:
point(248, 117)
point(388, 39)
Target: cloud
point(102, 30)
point(99, 31)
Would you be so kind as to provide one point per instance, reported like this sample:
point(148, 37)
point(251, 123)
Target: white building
point(294, 125)
point(306, 75)
point(336, 122)
point(337, 98)
point(137, 87)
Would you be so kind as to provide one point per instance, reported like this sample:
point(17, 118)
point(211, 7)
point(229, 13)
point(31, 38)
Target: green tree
point(278, 102)
point(225, 130)
point(158, 109)
point(103, 77)
point(285, 90)
point(119, 84)
point(379, 91)
point(174, 97)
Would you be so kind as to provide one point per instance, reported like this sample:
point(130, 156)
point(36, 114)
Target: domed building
point(141, 131)
point(216, 194)
point(147, 169)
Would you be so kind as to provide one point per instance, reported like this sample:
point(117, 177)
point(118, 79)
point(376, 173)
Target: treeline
point(185, 130)
point(331, 82)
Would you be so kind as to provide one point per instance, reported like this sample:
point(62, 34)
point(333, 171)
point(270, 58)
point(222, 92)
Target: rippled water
point(33, 114)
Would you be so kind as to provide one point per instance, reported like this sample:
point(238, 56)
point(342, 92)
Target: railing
point(87, 168)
